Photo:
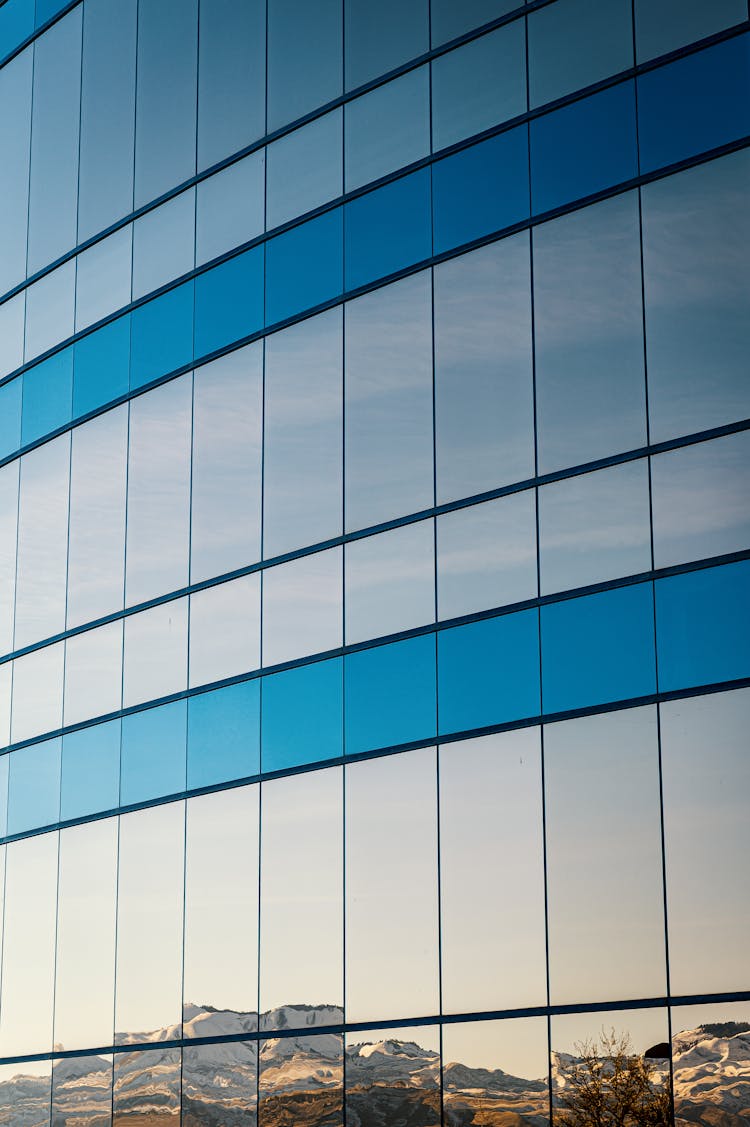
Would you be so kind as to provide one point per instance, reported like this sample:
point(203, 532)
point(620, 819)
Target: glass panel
point(496, 1070)
point(393, 1076)
point(29, 946)
point(379, 37)
point(588, 320)
point(696, 243)
point(15, 137)
point(231, 77)
point(230, 207)
point(226, 480)
point(388, 128)
point(301, 1080)
point(47, 396)
point(303, 451)
point(156, 643)
point(38, 692)
point(301, 889)
point(304, 169)
point(576, 43)
point(391, 887)
point(303, 715)
point(154, 750)
point(159, 518)
point(162, 335)
point(53, 183)
point(8, 541)
point(166, 96)
point(717, 1036)
point(304, 266)
point(484, 407)
point(149, 925)
point(85, 969)
point(449, 20)
point(594, 527)
point(606, 936)
point(10, 413)
point(82, 1092)
point(164, 243)
point(486, 555)
point(12, 313)
point(42, 542)
point(229, 302)
point(93, 673)
point(390, 582)
point(388, 403)
point(28, 1084)
point(144, 1080)
point(33, 786)
point(225, 630)
point(665, 25)
point(221, 883)
point(479, 85)
point(388, 229)
point(50, 303)
point(301, 78)
point(219, 1084)
point(491, 822)
point(303, 607)
point(102, 366)
point(706, 784)
point(103, 277)
point(90, 770)
point(6, 675)
point(390, 695)
point(224, 734)
point(107, 114)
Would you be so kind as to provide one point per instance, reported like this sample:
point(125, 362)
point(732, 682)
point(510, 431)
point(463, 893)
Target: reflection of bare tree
point(607, 1084)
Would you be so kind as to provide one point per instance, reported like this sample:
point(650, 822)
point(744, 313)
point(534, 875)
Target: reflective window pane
point(102, 366)
point(155, 660)
point(303, 607)
point(90, 770)
point(8, 541)
point(154, 747)
point(93, 673)
point(162, 335)
point(498, 1069)
point(665, 25)
point(31, 1080)
point(47, 396)
point(576, 43)
point(163, 243)
point(301, 1078)
point(390, 694)
point(393, 1076)
point(50, 303)
point(448, 20)
point(388, 229)
point(388, 128)
point(220, 1081)
point(379, 37)
point(228, 302)
point(231, 77)
point(224, 734)
point(719, 1033)
point(15, 137)
point(38, 692)
point(304, 267)
point(33, 786)
point(12, 313)
point(230, 207)
point(225, 630)
point(103, 275)
point(304, 169)
point(390, 582)
point(303, 715)
point(143, 1080)
point(82, 1091)
point(300, 79)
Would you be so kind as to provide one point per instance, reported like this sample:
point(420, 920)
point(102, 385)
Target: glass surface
point(224, 734)
point(301, 1079)
point(391, 887)
point(225, 630)
point(498, 1069)
point(486, 555)
point(33, 786)
point(12, 313)
point(388, 403)
point(220, 991)
point(303, 607)
point(105, 191)
point(604, 875)
point(379, 37)
point(10, 415)
point(153, 753)
point(481, 189)
point(588, 322)
point(15, 137)
point(143, 1080)
point(388, 128)
point(301, 78)
point(93, 673)
point(162, 335)
point(42, 542)
point(102, 366)
point(53, 182)
point(696, 243)
point(594, 527)
point(148, 993)
point(37, 692)
point(303, 715)
point(32, 1079)
point(231, 77)
point(85, 966)
point(304, 266)
point(488, 672)
point(390, 695)
point(156, 653)
point(576, 43)
point(47, 396)
point(90, 770)
point(229, 302)
point(82, 1091)
point(165, 123)
point(219, 1083)
point(665, 25)
point(304, 169)
point(49, 309)
point(706, 784)
point(449, 20)
point(491, 823)
point(164, 243)
point(583, 148)
point(388, 229)
point(226, 478)
point(393, 1076)
point(301, 893)
point(6, 678)
point(303, 439)
point(390, 582)
point(98, 484)
point(103, 275)
point(29, 945)
point(484, 407)
point(478, 85)
point(230, 207)
point(158, 515)
point(16, 24)
point(8, 539)
point(719, 1033)
point(700, 500)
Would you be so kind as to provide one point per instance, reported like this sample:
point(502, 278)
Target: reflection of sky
point(225, 630)
point(303, 607)
point(390, 581)
point(517, 1046)
point(155, 652)
point(37, 692)
point(646, 1028)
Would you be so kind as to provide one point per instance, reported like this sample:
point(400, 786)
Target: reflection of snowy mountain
point(712, 1075)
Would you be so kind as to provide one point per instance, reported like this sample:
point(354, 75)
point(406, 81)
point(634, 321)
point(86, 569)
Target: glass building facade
point(374, 562)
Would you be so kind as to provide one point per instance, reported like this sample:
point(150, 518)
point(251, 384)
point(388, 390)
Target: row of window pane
point(602, 818)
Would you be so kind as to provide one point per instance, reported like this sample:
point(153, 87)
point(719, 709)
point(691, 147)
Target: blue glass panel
point(162, 337)
point(304, 266)
point(229, 302)
point(390, 694)
point(481, 189)
point(47, 396)
point(10, 416)
point(34, 786)
point(302, 715)
point(16, 23)
point(102, 366)
point(598, 648)
point(489, 672)
point(701, 626)
point(90, 770)
point(4, 763)
point(224, 735)
point(154, 752)
point(46, 9)
point(583, 148)
point(388, 229)
point(694, 104)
